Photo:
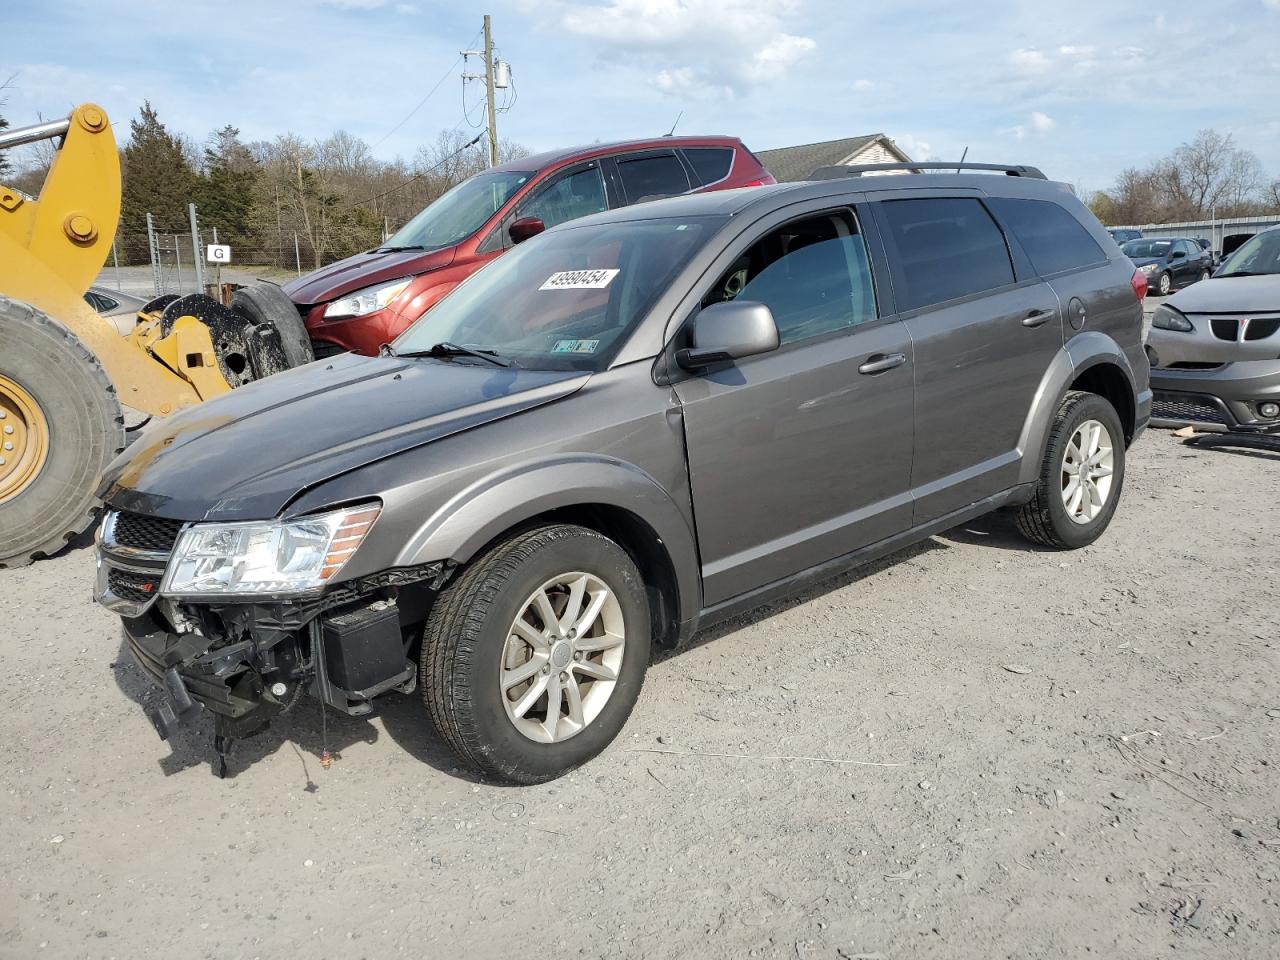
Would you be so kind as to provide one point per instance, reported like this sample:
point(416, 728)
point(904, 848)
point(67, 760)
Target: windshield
point(1146, 248)
point(1259, 254)
point(565, 300)
point(460, 212)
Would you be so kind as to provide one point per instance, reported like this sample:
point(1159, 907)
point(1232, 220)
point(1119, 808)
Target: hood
point(1230, 295)
point(1144, 261)
point(364, 270)
point(247, 454)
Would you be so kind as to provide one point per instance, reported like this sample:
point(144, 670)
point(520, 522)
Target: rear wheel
point(60, 425)
point(1204, 275)
point(1080, 477)
point(534, 656)
point(268, 304)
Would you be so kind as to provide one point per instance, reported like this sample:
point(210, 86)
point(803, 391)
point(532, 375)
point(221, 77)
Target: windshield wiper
point(415, 246)
point(1246, 273)
point(445, 349)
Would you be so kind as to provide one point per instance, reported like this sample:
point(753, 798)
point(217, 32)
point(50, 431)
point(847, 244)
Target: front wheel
point(534, 657)
point(1080, 477)
point(1164, 285)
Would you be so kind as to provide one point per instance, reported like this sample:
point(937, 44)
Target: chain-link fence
point(158, 256)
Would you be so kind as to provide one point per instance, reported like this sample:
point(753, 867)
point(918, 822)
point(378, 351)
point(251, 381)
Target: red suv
point(367, 300)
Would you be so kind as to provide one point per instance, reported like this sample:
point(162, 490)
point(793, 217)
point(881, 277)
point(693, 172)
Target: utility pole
point(496, 76)
point(488, 88)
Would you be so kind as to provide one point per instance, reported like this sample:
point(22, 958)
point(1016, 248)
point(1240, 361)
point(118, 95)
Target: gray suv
point(629, 427)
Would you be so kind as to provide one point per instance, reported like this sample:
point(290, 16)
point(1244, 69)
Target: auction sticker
point(580, 279)
point(575, 346)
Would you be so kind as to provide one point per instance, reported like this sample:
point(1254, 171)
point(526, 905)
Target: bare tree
point(1209, 174)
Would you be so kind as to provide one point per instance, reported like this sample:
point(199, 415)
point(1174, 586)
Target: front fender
point(1085, 350)
point(483, 511)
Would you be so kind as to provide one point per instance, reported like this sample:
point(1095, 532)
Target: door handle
point(1037, 318)
point(880, 362)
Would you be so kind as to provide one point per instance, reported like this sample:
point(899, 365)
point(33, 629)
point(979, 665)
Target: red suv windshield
point(459, 213)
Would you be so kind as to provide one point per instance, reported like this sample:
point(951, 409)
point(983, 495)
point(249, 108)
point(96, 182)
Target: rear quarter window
point(647, 178)
point(946, 248)
point(709, 163)
point(1053, 239)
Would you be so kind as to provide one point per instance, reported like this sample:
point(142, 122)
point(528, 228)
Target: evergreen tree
point(157, 178)
point(225, 194)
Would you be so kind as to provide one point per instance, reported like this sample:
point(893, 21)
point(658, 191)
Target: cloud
point(354, 4)
point(862, 86)
point(749, 46)
point(407, 9)
point(1038, 123)
point(913, 146)
point(1030, 61)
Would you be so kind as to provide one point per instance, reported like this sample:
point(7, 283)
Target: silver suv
point(627, 428)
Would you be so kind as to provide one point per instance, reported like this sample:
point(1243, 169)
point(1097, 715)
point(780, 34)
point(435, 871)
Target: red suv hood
point(364, 270)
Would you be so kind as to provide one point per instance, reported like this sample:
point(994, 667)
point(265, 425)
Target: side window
point(946, 248)
point(1051, 236)
point(709, 163)
point(569, 198)
point(647, 178)
point(813, 274)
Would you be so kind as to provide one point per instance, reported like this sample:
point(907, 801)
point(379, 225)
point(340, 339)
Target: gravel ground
point(1024, 753)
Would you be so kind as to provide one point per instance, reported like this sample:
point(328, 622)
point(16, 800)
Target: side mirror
point(1177, 255)
point(524, 228)
point(730, 330)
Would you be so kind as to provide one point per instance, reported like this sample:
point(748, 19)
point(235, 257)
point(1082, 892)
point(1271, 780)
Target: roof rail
point(941, 166)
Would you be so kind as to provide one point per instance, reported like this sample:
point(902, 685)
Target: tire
point(1204, 275)
point(268, 304)
point(50, 380)
point(465, 652)
point(1164, 285)
point(1046, 519)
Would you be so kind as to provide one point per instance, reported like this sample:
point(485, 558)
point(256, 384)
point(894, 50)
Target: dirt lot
point(1072, 753)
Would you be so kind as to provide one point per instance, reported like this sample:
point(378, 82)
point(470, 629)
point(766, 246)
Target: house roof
point(789, 164)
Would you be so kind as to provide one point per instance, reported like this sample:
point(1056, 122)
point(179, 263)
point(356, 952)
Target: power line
point(448, 73)
point(423, 173)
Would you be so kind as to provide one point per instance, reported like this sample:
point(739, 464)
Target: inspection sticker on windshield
point(575, 346)
point(580, 279)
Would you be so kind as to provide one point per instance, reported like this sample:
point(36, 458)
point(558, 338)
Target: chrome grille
point(140, 532)
point(134, 587)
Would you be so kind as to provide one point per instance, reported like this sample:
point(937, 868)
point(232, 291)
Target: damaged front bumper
point(246, 661)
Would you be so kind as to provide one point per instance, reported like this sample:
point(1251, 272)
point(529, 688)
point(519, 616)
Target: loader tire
point(61, 426)
point(266, 303)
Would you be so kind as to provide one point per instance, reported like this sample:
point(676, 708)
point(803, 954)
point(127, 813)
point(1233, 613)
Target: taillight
point(764, 181)
point(1139, 283)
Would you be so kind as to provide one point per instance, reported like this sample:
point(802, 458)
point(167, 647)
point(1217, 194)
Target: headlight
point(275, 557)
point(1167, 318)
point(1146, 268)
point(367, 300)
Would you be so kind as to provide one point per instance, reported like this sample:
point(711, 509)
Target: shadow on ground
point(307, 732)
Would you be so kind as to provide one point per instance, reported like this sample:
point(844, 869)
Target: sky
point(1081, 89)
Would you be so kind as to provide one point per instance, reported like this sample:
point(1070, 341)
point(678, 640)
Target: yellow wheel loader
point(66, 373)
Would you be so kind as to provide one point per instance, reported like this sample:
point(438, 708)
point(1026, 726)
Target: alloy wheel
point(1087, 468)
point(562, 657)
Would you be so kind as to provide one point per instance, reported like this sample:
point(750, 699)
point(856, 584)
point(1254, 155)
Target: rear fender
point(1085, 350)
point(484, 511)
